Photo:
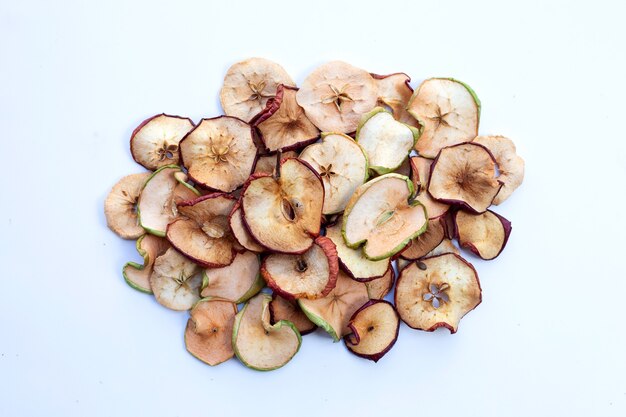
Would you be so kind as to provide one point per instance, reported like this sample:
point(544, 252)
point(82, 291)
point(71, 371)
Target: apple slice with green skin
point(311, 275)
point(464, 175)
point(283, 212)
point(219, 153)
point(266, 164)
point(420, 175)
point(209, 331)
point(154, 143)
point(137, 275)
point(240, 232)
point(437, 292)
point(382, 215)
point(386, 141)
point(237, 282)
point(120, 206)
point(202, 232)
point(378, 288)
point(259, 344)
point(425, 242)
point(342, 165)
point(283, 309)
point(175, 281)
point(375, 328)
point(333, 312)
point(484, 234)
point(394, 91)
point(449, 111)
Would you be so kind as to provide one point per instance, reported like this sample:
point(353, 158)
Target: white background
point(75, 79)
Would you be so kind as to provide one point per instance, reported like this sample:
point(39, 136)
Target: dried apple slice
point(209, 331)
point(448, 110)
point(335, 96)
point(464, 175)
point(219, 153)
point(240, 232)
point(283, 309)
point(175, 281)
point(266, 164)
point(484, 234)
point(378, 288)
point(260, 345)
point(446, 246)
point(203, 232)
point(394, 91)
point(120, 206)
point(342, 165)
point(237, 282)
point(437, 292)
point(510, 165)
point(154, 143)
point(137, 275)
point(311, 275)
point(386, 141)
point(333, 312)
point(420, 175)
point(382, 215)
point(425, 242)
point(283, 214)
point(283, 124)
point(375, 328)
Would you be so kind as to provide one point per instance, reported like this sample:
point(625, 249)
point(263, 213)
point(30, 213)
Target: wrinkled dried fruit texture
point(439, 295)
point(465, 175)
point(284, 215)
point(378, 288)
point(380, 215)
point(266, 164)
point(257, 343)
point(310, 275)
point(236, 282)
point(425, 242)
point(219, 153)
point(240, 232)
point(341, 164)
point(149, 247)
point(175, 281)
point(510, 165)
point(484, 234)
point(249, 84)
point(375, 329)
point(394, 91)
point(120, 206)
point(335, 96)
point(283, 124)
point(420, 175)
point(446, 246)
point(154, 143)
point(209, 331)
point(449, 113)
point(283, 309)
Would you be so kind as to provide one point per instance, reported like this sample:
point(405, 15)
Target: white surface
point(75, 78)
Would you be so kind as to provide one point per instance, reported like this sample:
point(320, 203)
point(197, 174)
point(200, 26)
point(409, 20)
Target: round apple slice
point(175, 281)
point(209, 331)
point(121, 204)
point(257, 343)
point(394, 91)
point(375, 328)
point(425, 242)
point(378, 288)
point(484, 234)
point(283, 309)
point(237, 282)
point(342, 165)
point(333, 312)
point(137, 275)
point(311, 275)
point(283, 124)
point(510, 165)
point(335, 96)
point(154, 143)
point(249, 84)
point(240, 232)
point(382, 215)
point(420, 175)
point(203, 233)
point(448, 110)
point(386, 141)
point(283, 214)
point(464, 175)
point(437, 292)
point(219, 153)
point(266, 164)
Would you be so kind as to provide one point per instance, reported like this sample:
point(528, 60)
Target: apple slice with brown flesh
point(283, 309)
point(175, 281)
point(149, 248)
point(425, 242)
point(237, 282)
point(394, 91)
point(154, 143)
point(378, 288)
point(375, 328)
point(484, 234)
point(120, 206)
point(266, 164)
point(420, 175)
point(209, 331)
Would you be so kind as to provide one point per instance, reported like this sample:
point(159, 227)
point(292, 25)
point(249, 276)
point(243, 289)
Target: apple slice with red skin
point(375, 328)
point(267, 163)
point(149, 248)
point(394, 91)
point(209, 331)
point(446, 246)
point(237, 282)
point(425, 242)
point(175, 281)
point(240, 231)
point(437, 292)
point(484, 234)
point(120, 206)
point(378, 288)
point(283, 309)
point(420, 175)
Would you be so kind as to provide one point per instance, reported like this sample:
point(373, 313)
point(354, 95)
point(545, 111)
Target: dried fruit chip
point(209, 331)
point(266, 164)
point(446, 246)
point(378, 288)
point(237, 282)
point(425, 242)
point(120, 206)
point(420, 175)
point(375, 328)
point(240, 232)
point(149, 248)
point(283, 309)
point(484, 234)
point(175, 281)
point(394, 91)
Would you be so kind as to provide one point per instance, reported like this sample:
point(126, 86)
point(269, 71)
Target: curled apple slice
point(464, 175)
point(237, 282)
point(446, 246)
point(240, 232)
point(420, 175)
point(209, 331)
point(484, 234)
point(311, 275)
point(341, 164)
point(394, 91)
point(249, 84)
point(175, 281)
point(266, 164)
point(375, 328)
point(448, 110)
point(437, 292)
point(425, 242)
point(121, 204)
point(382, 215)
point(378, 288)
point(137, 275)
point(257, 343)
point(283, 309)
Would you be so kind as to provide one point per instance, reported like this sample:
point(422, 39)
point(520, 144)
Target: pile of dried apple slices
point(304, 208)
